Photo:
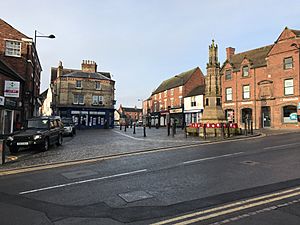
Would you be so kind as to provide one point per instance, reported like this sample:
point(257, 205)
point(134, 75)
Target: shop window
point(290, 114)
point(288, 63)
point(288, 87)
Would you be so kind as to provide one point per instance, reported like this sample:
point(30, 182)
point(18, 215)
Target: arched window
point(290, 114)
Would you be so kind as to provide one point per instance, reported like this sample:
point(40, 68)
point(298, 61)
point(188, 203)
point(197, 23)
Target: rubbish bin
point(2, 151)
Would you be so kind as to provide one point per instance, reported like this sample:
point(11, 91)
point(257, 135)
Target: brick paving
point(98, 143)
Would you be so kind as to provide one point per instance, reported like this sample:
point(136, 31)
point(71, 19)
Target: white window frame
point(13, 48)
point(245, 73)
point(166, 93)
point(288, 65)
point(228, 94)
point(172, 92)
point(289, 86)
point(246, 93)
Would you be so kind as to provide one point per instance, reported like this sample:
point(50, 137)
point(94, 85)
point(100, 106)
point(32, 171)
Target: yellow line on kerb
point(244, 204)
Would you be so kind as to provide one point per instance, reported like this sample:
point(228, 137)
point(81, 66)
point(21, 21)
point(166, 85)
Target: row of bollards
point(134, 130)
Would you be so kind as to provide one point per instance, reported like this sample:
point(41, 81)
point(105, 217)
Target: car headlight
point(10, 138)
point(37, 136)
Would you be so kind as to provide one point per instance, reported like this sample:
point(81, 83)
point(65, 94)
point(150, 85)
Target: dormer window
point(245, 71)
point(288, 63)
point(228, 75)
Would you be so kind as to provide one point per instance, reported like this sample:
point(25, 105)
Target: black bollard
point(246, 130)
point(185, 131)
point(120, 126)
point(168, 126)
point(125, 128)
point(251, 127)
point(222, 131)
point(144, 131)
point(204, 131)
point(133, 128)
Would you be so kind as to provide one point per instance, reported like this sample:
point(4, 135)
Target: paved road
point(157, 186)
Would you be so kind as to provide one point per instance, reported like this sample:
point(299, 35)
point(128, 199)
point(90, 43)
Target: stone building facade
point(263, 85)
point(85, 95)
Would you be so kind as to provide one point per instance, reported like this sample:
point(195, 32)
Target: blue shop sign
point(293, 116)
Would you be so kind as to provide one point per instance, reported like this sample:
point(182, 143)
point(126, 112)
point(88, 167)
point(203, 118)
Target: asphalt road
point(213, 183)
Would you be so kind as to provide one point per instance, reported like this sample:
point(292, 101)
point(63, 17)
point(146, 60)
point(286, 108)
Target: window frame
point(244, 93)
point(76, 84)
point(227, 94)
point(9, 50)
point(243, 72)
point(98, 85)
point(286, 87)
point(288, 63)
point(228, 74)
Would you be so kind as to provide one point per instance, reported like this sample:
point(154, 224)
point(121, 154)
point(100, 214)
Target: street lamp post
point(51, 36)
point(181, 103)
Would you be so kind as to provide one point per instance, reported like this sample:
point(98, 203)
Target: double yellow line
point(230, 208)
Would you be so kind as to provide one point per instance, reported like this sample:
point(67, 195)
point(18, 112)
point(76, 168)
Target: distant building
point(130, 115)
point(262, 85)
point(46, 99)
point(86, 95)
point(167, 101)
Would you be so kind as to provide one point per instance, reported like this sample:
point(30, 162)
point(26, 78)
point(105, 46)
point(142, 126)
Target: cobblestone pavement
point(98, 142)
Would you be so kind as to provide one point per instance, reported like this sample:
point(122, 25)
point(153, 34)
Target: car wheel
point(59, 140)
point(13, 150)
point(45, 145)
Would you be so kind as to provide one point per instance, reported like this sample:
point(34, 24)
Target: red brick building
point(129, 115)
point(167, 101)
point(18, 52)
point(263, 85)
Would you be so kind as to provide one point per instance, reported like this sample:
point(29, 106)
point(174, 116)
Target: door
point(266, 116)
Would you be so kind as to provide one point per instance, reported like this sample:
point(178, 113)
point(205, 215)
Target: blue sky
point(143, 42)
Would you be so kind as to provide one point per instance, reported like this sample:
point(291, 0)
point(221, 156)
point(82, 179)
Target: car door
point(53, 131)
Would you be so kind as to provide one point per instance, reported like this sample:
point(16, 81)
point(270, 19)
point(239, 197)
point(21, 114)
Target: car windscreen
point(37, 124)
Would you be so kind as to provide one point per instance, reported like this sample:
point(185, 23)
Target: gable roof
point(177, 80)
point(199, 90)
point(4, 24)
point(79, 74)
point(257, 57)
point(296, 32)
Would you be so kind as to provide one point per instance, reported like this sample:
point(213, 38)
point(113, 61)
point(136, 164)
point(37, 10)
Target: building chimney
point(229, 52)
point(88, 66)
point(59, 69)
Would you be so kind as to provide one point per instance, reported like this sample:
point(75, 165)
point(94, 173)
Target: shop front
point(89, 118)
point(177, 116)
point(164, 118)
point(193, 116)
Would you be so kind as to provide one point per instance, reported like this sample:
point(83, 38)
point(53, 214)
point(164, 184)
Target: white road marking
point(82, 182)
point(210, 158)
point(141, 139)
point(240, 203)
point(281, 146)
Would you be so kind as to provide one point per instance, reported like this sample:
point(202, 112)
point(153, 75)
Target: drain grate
point(135, 196)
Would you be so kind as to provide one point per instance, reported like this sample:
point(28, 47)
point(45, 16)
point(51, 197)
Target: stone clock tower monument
point(213, 112)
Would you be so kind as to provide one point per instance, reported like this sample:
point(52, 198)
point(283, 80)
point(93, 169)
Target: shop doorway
point(266, 116)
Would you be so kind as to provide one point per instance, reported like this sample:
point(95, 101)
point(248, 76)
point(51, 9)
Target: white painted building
point(46, 109)
point(194, 105)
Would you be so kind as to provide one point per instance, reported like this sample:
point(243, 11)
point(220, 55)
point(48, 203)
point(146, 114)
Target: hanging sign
point(12, 89)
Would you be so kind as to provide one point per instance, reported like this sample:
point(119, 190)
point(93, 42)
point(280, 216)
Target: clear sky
point(143, 42)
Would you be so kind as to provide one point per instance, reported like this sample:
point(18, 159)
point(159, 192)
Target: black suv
point(39, 132)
